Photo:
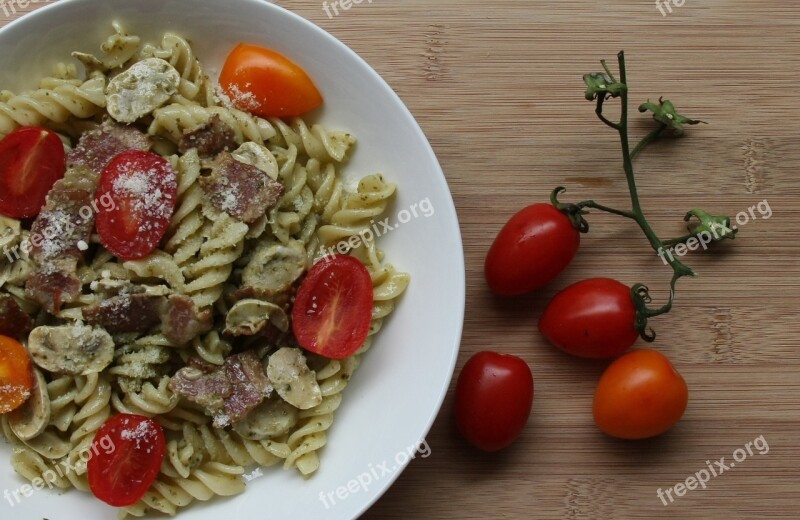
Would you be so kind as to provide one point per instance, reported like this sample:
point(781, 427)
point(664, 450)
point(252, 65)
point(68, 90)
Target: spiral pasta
point(208, 255)
point(224, 244)
point(168, 494)
point(184, 235)
point(172, 121)
point(359, 211)
point(177, 51)
point(53, 105)
point(315, 142)
point(119, 49)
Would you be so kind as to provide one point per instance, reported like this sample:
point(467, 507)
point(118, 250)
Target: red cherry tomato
point(32, 159)
point(494, 395)
point(532, 248)
point(143, 187)
point(266, 83)
point(127, 453)
point(594, 318)
point(640, 395)
point(333, 308)
point(16, 375)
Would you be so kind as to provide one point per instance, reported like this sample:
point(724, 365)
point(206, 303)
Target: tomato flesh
point(143, 188)
point(127, 453)
point(640, 395)
point(16, 375)
point(534, 247)
point(594, 318)
point(32, 159)
point(267, 84)
point(494, 396)
point(333, 308)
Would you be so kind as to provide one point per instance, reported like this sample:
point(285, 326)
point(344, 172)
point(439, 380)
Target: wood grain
point(497, 88)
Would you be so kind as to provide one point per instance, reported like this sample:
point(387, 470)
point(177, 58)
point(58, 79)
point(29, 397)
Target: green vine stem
point(602, 87)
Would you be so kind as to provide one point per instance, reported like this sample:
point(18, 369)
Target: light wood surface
point(496, 85)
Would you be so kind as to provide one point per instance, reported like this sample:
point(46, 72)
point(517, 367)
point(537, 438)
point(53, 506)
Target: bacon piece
point(126, 313)
point(249, 387)
point(96, 148)
point(229, 392)
point(240, 190)
point(54, 286)
point(208, 389)
point(59, 227)
point(13, 322)
point(179, 318)
point(57, 234)
point(210, 139)
point(181, 321)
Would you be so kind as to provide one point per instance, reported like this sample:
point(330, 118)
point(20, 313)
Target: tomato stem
point(639, 292)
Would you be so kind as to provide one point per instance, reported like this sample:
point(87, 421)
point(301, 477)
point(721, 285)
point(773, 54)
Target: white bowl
point(397, 392)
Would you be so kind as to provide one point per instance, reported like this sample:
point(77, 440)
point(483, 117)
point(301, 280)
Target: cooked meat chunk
point(240, 190)
point(126, 313)
point(249, 387)
point(59, 227)
point(181, 321)
point(210, 139)
point(96, 148)
point(55, 284)
point(71, 349)
point(13, 322)
point(178, 316)
point(228, 392)
point(208, 389)
point(56, 235)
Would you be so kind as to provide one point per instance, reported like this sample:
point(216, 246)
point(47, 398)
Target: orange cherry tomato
point(16, 375)
point(267, 84)
point(640, 395)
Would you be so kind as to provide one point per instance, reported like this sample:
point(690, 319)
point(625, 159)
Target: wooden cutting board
point(496, 85)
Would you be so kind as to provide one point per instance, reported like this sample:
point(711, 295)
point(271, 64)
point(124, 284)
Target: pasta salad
point(171, 315)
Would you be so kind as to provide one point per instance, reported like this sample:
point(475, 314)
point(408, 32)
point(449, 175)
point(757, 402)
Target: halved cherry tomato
point(640, 395)
point(143, 187)
point(127, 453)
point(266, 83)
point(494, 396)
point(594, 318)
point(32, 159)
point(16, 375)
point(532, 248)
point(333, 308)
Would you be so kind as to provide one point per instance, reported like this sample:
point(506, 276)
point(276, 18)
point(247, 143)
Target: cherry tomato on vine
point(594, 318)
point(32, 159)
point(333, 308)
point(127, 453)
point(16, 374)
point(267, 84)
point(640, 395)
point(494, 396)
point(143, 187)
point(533, 247)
